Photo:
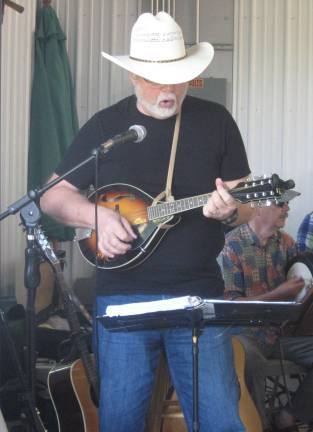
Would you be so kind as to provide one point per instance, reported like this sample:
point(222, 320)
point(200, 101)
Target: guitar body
point(71, 397)
point(247, 410)
point(131, 203)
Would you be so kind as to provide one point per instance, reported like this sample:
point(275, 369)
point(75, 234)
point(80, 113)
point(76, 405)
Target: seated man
point(305, 234)
point(254, 260)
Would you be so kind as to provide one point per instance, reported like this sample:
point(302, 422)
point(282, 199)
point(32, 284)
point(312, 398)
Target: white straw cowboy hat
point(157, 51)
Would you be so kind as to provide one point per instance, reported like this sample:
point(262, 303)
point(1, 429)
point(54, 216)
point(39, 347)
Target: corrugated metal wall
point(91, 27)
point(273, 91)
point(16, 70)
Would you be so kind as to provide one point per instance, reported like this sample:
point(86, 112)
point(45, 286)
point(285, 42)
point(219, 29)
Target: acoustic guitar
point(73, 399)
point(151, 220)
point(247, 410)
point(73, 387)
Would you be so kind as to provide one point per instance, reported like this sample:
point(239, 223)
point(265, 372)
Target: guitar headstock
point(45, 246)
point(262, 190)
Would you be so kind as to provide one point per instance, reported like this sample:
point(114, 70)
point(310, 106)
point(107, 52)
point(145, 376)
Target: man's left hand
point(221, 205)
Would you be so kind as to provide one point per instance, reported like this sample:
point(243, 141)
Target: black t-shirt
point(209, 146)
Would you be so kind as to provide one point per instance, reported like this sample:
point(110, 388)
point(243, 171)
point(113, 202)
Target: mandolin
point(151, 220)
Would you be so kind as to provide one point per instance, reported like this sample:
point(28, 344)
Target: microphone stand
point(30, 216)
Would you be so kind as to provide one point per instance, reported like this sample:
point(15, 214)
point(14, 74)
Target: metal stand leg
point(195, 378)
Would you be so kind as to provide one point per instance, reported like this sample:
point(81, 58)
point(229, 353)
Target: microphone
point(135, 133)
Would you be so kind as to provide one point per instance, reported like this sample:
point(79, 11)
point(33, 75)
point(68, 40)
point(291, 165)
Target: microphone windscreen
point(141, 132)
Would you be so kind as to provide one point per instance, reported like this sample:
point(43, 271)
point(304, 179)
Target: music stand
point(207, 312)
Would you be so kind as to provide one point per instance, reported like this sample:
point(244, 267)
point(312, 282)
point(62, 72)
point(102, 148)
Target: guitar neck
point(170, 208)
point(71, 302)
point(86, 359)
point(78, 336)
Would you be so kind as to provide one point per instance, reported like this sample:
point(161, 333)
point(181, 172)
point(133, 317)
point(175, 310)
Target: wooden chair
point(165, 414)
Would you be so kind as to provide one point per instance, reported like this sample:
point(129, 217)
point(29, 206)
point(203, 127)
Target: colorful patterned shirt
point(251, 269)
point(305, 234)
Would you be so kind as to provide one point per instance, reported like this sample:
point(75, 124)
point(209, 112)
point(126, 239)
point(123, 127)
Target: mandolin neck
point(170, 208)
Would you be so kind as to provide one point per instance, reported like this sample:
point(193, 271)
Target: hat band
point(158, 61)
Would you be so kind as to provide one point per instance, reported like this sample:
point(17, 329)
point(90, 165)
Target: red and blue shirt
point(251, 269)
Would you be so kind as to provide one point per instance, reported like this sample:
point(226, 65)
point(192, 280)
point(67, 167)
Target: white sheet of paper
point(176, 303)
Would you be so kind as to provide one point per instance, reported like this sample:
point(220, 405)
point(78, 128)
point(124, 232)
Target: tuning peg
point(259, 177)
point(256, 204)
point(261, 203)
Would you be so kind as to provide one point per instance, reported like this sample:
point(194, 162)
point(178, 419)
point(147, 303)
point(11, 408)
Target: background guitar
point(73, 387)
point(151, 220)
point(247, 410)
point(72, 398)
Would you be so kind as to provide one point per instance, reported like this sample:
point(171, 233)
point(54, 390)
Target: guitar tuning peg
point(257, 204)
point(260, 178)
point(261, 203)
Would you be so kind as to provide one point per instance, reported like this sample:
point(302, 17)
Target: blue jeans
point(127, 363)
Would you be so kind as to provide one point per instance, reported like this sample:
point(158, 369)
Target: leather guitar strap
point(167, 193)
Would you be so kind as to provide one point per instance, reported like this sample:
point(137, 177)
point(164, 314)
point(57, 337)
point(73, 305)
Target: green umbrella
point(53, 122)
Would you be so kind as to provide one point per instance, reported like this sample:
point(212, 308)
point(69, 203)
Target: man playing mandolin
point(209, 149)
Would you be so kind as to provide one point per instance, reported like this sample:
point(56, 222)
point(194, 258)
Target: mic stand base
point(31, 413)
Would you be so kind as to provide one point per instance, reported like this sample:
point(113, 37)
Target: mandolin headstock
point(262, 190)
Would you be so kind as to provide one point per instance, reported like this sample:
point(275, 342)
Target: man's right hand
point(115, 233)
point(65, 203)
point(289, 289)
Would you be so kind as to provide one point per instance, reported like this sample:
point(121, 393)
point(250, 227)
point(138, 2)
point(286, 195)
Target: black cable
point(96, 185)
point(95, 321)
